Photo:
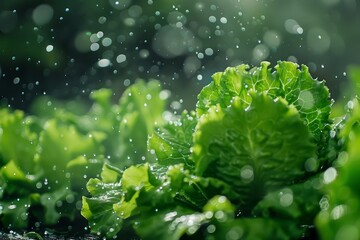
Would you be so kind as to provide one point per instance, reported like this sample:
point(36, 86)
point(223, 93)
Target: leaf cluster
point(47, 159)
point(246, 164)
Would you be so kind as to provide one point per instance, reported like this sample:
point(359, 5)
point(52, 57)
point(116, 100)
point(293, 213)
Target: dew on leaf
point(330, 175)
point(286, 198)
point(247, 173)
point(338, 211)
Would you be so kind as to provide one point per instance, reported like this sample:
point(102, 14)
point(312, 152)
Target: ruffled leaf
point(172, 142)
point(255, 150)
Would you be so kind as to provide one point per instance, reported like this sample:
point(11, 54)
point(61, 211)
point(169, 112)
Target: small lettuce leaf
point(140, 108)
point(98, 209)
point(216, 221)
point(169, 224)
point(194, 191)
point(172, 142)
point(145, 188)
point(52, 200)
point(17, 142)
point(14, 182)
point(81, 169)
point(110, 174)
point(296, 86)
point(354, 77)
point(255, 150)
point(144, 98)
point(297, 205)
point(14, 213)
point(59, 144)
point(175, 223)
point(253, 228)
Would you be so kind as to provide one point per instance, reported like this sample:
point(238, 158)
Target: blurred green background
point(66, 49)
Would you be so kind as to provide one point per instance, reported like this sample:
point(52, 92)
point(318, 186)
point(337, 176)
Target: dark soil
point(16, 236)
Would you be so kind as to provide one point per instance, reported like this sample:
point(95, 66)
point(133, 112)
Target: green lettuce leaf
point(17, 142)
point(253, 228)
point(14, 213)
point(59, 144)
point(14, 182)
point(140, 108)
point(255, 150)
point(177, 222)
point(81, 169)
point(216, 221)
point(172, 142)
point(296, 86)
point(296, 205)
point(56, 199)
point(339, 217)
point(169, 224)
point(354, 76)
point(98, 209)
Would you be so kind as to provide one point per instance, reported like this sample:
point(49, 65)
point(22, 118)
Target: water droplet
point(209, 51)
point(212, 19)
point(223, 20)
point(247, 173)
point(94, 47)
point(42, 14)
point(49, 48)
point(102, 20)
point(306, 99)
point(286, 198)
point(164, 94)
point(106, 42)
point(211, 228)
point(144, 53)
point(234, 234)
point(16, 80)
point(311, 165)
point(11, 207)
point(338, 212)
point(219, 215)
point(121, 58)
point(104, 62)
point(332, 133)
point(330, 175)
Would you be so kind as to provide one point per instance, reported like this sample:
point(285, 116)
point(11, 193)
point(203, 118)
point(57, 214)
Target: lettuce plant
point(246, 164)
point(259, 157)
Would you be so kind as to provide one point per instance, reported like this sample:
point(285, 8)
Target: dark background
point(67, 48)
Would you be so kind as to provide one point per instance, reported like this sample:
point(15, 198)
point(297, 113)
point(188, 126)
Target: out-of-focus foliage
point(339, 217)
point(68, 48)
point(47, 159)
